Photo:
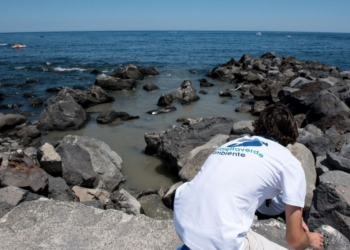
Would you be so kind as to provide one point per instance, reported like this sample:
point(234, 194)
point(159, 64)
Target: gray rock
point(90, 97)
point(179, 140)
point(62, 112)
point(111, 115)
point(308, 163)
point(190, 164)
point(58, 225)
point(114, 83)
point(322, 165)
point(298, 82)
point(59, 190)
point(327, 104)
point(331, 203)
point(13, 196)
point(333, 239)
point(152, 206)
point(243, 127)
point(150, 86)
point(93, 203)
point(153, 142)
point(10, 121)
point(168, 197)
point(125, 202)
point(185, 94)
point(271, 229)
point(89, 163)
point(5, 208)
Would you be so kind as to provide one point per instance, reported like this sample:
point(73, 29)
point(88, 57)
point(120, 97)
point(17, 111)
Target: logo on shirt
point(248, 143)
point(241, 148)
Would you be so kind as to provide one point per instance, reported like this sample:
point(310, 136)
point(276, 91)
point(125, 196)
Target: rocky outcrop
point(58, 225)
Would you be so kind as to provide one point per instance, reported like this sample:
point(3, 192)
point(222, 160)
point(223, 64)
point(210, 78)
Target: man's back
point(216, 209)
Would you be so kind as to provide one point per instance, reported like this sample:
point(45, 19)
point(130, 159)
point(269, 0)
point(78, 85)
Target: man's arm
point(296, 236)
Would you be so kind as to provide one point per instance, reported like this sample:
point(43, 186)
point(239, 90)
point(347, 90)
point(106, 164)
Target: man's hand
point(316, 240)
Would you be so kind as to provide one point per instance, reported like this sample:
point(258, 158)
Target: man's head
point(277, 122)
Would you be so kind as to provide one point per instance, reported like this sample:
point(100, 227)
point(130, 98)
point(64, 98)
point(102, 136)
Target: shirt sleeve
point(294, 185)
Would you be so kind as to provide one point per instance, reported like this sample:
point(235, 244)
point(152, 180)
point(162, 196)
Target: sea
point(56, 59)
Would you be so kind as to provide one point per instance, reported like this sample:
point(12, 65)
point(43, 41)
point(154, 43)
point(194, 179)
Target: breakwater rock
point(83, 176)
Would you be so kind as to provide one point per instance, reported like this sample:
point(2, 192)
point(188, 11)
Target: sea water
point(55, 59)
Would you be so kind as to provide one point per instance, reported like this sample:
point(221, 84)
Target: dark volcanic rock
point(111, 115)
point(302, 99)
point(59, 190)
point(331, 203)
point(62, 112)
point(162, 110)
point(179, 140)
point(114, 83)
point(36, 102)
point(10, 121)
point(185, 93)
point(150, 86)
point(204, 83)
point(327, 104)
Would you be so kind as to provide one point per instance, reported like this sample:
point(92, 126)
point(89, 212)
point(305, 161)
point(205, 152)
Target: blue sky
point(249, 15)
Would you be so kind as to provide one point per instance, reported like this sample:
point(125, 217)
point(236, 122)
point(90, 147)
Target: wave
point(60, 69)
point(20, 67)
point(3, 44)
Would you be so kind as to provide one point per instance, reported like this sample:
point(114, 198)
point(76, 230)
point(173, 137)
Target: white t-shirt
point(216, 209)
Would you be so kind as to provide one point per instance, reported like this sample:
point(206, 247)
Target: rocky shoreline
point(62, 195)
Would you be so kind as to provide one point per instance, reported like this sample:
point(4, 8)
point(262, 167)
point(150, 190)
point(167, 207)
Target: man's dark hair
point(277, 122)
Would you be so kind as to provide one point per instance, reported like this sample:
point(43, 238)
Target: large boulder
point(62, 112)
point(58, 225)
point(89, 163)
point(308, 163)
point(327, 104)
point(331, 203)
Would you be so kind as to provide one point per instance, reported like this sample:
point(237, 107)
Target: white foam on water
point(60, 69)
point(3, 44)
point(21, 67)
point(48, 63)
